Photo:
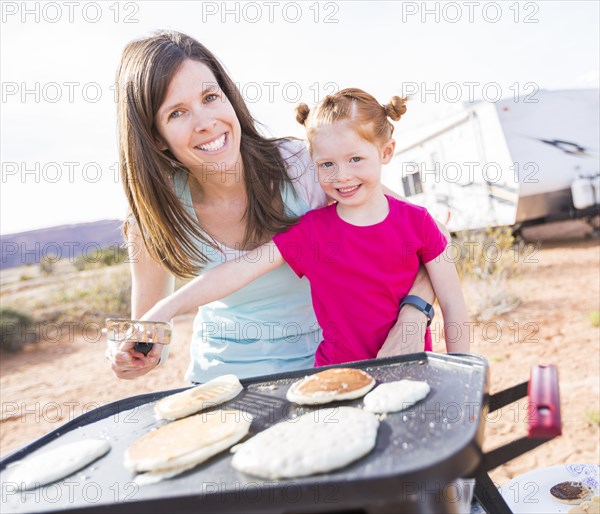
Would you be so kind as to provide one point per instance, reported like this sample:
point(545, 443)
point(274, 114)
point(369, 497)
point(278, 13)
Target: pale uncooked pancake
point(316, 442)
point(395, 396)
point(204, 396)
point(60, 462)
point(330, 385)
point(183, 444)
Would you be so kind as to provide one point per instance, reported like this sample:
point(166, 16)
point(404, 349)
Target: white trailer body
point(510, 163)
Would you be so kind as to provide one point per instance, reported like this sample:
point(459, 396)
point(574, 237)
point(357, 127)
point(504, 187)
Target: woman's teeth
point(213, 146)
point(347, 189)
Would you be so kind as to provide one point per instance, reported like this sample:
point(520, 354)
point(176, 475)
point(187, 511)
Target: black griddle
point(419, 454)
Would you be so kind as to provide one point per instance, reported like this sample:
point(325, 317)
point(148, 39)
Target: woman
point(204, 186)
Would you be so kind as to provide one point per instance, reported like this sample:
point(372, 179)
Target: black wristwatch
point(421, 305)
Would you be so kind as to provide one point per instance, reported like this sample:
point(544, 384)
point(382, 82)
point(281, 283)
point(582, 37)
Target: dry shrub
point(105, 294)
point(79, 297)
point(488, 261)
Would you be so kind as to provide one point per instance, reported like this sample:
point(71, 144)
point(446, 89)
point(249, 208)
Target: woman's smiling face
point(197, 122)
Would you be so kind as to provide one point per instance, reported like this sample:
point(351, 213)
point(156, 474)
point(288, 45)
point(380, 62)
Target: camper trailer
point(517, 162)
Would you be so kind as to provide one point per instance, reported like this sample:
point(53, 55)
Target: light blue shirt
point(269, 326)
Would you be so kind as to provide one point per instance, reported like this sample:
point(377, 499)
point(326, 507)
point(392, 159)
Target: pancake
point(214, 392)
point(395, 396)
point(185, 443)
point(316, 442)
point(330, 385)
point(571, 493)
point(52, 465)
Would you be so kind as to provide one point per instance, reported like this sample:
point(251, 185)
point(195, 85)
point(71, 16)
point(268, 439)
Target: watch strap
point(421, 305)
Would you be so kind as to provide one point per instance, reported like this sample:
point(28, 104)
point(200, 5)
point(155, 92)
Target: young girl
point(360, 254)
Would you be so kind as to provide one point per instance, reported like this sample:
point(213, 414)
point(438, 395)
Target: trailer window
point(412, 184)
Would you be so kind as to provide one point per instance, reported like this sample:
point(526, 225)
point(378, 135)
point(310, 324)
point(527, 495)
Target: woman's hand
point(127, 363)
point(407, 335)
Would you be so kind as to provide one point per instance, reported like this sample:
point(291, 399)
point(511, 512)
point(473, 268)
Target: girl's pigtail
point(302, 111)
point(395, 108)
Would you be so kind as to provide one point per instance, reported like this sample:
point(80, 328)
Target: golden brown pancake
point(331, 385)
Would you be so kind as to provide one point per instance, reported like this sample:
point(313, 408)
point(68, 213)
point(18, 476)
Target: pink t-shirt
point(359, 275)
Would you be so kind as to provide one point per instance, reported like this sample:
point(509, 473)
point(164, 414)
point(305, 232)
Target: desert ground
point(55, 380)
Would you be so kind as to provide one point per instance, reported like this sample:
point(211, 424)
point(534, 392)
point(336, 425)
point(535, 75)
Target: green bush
point(13, 329)
point(112, 255)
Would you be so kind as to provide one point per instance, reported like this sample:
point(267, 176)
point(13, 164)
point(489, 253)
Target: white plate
point(530, 493)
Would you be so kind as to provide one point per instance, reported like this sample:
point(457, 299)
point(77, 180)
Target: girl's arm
point(217, 282)
point(448, 290)
point(408, 333)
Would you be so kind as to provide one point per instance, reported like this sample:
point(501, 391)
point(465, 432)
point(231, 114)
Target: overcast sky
point(58, 59)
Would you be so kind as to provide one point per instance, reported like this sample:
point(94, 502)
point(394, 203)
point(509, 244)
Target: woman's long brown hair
point(168, 230)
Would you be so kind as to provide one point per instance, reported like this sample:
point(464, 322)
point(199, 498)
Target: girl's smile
point(347, 192)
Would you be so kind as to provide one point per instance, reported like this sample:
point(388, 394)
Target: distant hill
point(66, 241)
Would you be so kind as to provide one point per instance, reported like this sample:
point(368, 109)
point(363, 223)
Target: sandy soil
point(53, 381)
